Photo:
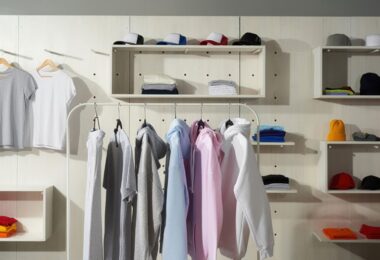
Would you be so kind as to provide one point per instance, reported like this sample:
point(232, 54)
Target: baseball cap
point(338, 39)
point(131, 38)
point(173, 39)
point(370, 182)
point(370, 84)
point(372, 40)
point(248, 39)
point(215, 38)
point(342, 181)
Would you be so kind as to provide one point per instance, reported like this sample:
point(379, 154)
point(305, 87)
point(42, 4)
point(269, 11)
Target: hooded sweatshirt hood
point(240, 125)
point(158, 145)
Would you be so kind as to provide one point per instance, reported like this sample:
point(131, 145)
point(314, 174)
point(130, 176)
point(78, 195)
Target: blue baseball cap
point(173, 39)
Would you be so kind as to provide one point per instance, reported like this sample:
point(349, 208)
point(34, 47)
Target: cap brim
point(166, 43)
point(123, 43)
point(205, 42)
point(244, 43)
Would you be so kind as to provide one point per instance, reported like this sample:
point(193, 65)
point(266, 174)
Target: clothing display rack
point(145, 105)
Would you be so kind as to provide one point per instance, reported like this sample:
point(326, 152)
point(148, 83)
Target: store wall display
point(85, 47)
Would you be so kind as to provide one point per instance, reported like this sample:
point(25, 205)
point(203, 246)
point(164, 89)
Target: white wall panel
point(288, 102)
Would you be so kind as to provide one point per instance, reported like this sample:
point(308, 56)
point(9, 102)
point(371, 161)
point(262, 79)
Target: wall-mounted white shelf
point(359, 158)
point(184, 96)
point(280, 144)
point(191, 48)
point(192, 66)
point(32, 207)
point(318, 233)
point(337, 66)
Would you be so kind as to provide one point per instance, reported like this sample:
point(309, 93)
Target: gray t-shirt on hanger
point(16, 90)
point(120, 183)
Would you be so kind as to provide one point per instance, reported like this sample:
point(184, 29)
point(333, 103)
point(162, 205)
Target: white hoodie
point(245, 201)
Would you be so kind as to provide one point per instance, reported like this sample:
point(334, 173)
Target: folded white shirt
point(222, 90)
point(158, 79)
point(277, 186)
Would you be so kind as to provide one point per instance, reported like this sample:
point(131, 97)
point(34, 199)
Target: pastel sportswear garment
point(177, 200)
point(207, 215)
point(245, 203)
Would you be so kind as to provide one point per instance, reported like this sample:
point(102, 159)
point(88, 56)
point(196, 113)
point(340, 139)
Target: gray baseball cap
point(338, 39)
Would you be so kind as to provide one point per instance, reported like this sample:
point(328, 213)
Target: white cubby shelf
point(32, 206)
point(279, 144)
point(337, 66)
point(359, 158)
point(192, 66)
point(318, 233)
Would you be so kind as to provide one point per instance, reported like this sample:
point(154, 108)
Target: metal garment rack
point(124, 104)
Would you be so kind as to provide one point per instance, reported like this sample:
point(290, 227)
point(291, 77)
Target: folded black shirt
point(275, 178)
point(160, 92)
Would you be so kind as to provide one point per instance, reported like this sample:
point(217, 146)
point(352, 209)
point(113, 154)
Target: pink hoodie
point(206, 215)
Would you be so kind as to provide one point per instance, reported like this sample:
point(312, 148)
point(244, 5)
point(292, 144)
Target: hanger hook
point(144, 111)
point(175, 110)
point(118, 109)
point(229, 110)
point(201, 110)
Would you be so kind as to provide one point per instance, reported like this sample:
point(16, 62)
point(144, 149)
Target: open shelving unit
point(360, 158)
point(193, 66)
point(32, 207)
point(318, 233)
point(337, 66)
point(280, 144)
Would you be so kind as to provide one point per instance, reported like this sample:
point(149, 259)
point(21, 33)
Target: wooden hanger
point(50, 63)
point(5, 63)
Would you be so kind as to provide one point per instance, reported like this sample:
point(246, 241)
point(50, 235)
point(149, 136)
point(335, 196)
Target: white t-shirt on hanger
point(55, 92)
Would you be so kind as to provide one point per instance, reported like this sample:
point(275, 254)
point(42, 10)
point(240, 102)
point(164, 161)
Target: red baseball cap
point(215, 38)
point(342, 181)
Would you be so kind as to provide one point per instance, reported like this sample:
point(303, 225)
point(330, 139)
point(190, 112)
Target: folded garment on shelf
point(277, 186)
point(275, 178)
point(7, 221)
point(221, 82)
point(270, 133)
point(7, 234)
point(159, 92)
point(371, 232)
point(271, 127)
point(360, 136)
point(158, 79)
point(370, 182)
point(339, 233)
point(216, 92)
point(270, 139)
point(159, 86)
point(8, 228)
point(339, 91)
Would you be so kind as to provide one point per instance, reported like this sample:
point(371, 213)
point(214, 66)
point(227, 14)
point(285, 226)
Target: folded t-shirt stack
point(370, 232)
point(339, 233)
point(159, 84)
point(221, 88)
point(342, 91)
point(276, 182)
point(7, 226)
point(269, 133)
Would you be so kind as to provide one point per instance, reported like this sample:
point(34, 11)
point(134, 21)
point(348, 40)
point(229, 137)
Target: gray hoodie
point(150, 197)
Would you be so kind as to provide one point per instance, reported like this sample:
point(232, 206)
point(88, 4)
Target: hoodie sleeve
point(252, 198)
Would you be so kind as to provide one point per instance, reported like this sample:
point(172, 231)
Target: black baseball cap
point(248, 39)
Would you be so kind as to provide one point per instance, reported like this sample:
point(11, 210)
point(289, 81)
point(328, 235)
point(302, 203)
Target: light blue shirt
point(177, 201)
